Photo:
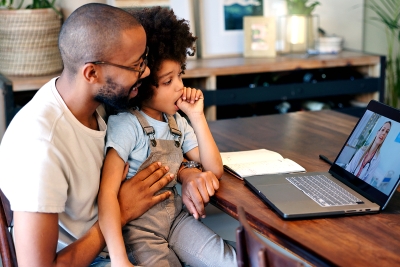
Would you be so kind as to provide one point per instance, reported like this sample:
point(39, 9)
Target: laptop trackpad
point(282, 193)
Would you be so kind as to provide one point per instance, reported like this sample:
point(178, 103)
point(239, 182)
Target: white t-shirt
point(51, 163)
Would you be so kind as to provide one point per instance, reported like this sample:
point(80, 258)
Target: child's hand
point(191, 102)
point(197, 188)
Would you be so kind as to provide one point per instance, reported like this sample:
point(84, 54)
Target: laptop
point(354, 184)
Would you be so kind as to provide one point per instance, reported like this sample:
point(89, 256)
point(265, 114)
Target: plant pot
point(29, 42)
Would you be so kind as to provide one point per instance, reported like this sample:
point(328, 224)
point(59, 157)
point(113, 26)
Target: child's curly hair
point(167, 38)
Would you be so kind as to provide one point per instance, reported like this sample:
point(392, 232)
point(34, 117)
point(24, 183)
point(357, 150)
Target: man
point(52, 152)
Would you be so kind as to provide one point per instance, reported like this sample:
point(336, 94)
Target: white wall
point(374, 34)
point(343, 18)
point(68, 6)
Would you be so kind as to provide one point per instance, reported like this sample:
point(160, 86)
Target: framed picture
point(259, 36)
point(219, 25)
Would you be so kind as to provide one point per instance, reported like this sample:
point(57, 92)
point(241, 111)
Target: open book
point(257, 162)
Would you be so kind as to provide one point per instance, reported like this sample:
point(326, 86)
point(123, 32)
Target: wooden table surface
point(362, 240)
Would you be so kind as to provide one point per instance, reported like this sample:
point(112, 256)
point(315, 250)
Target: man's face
point(114, 95)
point(121, 84)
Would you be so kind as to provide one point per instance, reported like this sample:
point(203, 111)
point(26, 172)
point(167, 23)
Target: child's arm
point(109, 209)
point(192, 103)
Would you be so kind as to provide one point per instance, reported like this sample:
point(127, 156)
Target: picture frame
point(219, 25)
point(259, 36)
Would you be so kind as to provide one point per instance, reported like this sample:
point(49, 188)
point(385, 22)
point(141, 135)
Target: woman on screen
point(366, 160)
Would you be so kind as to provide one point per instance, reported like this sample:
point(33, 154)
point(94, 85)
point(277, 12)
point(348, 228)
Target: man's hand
point(136, 195)
point(197, 188)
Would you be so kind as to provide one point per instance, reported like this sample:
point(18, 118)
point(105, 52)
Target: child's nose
point(179, 86)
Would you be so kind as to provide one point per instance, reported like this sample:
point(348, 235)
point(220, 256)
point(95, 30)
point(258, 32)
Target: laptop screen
point(370, 158)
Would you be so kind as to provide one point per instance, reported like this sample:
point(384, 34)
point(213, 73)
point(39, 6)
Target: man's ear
point(90, 73)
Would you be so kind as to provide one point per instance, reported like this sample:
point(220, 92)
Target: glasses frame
point(142, 66)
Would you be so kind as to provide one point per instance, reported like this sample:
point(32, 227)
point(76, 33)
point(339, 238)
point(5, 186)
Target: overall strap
point(149, 130)
point(173, 127)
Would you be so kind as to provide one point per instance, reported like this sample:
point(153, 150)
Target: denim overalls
point(166, 231)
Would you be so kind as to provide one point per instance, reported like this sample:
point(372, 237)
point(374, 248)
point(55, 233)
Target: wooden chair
point(7, 249)
point(254, 252)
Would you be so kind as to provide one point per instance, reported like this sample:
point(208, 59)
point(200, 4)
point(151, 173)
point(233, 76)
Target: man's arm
point(36, 234)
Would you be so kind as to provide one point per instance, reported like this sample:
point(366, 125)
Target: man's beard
point(108, 95)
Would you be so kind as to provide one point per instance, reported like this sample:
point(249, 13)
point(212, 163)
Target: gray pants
point(168, 235)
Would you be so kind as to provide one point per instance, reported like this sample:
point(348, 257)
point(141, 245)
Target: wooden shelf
point(203, 74)
point(29, 83)
point(239, 65)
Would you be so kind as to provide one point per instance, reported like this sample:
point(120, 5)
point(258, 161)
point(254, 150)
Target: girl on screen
point(366, 160)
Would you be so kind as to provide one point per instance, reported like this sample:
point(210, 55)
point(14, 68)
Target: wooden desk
point(366, 240)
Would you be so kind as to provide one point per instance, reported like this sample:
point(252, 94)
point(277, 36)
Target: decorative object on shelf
point(388, 12)
point(29, 38)
point(299, 28)
point(328, 44)
point(220, 25)
point(259, 36)
point(299, 7)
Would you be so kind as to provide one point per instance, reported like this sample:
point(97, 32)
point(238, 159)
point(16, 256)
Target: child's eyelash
point(170, 80)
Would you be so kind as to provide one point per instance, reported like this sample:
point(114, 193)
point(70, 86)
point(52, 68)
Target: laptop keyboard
point(324, 191)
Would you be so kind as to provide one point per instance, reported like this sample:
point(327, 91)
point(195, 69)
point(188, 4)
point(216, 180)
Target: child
point(165, 235)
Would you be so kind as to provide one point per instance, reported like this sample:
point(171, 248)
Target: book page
point(266, 167)
point(240, 157)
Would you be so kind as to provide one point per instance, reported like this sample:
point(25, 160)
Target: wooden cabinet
point(205, 74)
point(210, 74)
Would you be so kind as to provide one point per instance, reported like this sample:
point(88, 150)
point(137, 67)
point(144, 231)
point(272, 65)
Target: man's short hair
point(92, 32)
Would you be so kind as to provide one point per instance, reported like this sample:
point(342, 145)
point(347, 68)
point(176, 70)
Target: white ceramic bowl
point(329, 44)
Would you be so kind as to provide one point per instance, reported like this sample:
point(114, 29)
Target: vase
point(297, 33)
point(29, 42)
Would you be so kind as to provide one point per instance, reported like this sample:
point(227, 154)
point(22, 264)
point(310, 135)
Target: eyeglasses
point(142, 66)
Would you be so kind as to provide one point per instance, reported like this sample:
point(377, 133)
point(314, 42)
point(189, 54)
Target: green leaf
point(388, 13)
point(299, 7)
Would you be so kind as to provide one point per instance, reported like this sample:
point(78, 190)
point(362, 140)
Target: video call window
point(371, 152)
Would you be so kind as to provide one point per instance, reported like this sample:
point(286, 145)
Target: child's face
point(169, 90)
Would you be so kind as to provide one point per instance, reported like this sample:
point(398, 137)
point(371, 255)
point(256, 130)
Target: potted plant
point(388, 13)
point(300, 26)
point(300, 7)
point(29, 38)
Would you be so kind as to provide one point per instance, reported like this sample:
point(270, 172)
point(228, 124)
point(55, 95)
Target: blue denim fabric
point(101, 262)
